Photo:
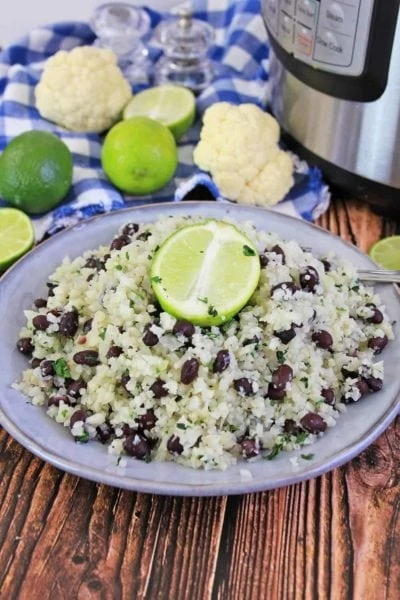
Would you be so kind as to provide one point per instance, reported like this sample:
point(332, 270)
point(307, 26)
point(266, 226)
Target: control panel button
point(288, 6)
point(333, 48)
point(338, 16)
point(306, 12)
point(285, 34)
point(303, 44)
point(271, 15)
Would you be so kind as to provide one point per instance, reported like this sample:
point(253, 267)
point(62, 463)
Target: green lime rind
point(386, 252)
point(16, 236)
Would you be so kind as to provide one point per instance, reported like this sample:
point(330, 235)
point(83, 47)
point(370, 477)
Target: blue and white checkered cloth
point(240, 47)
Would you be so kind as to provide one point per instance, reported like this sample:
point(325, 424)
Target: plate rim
point(142, 485)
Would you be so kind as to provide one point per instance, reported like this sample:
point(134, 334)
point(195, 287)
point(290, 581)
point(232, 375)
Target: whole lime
point(139, 155)
point(35, 171)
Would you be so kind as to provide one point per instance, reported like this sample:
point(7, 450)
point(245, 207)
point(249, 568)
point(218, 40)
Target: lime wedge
point(205, 273)
point(386, 252)
point(171, 105)
point(16, 236)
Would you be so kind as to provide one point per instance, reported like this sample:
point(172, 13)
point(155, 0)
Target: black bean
point(374, 383)
point(69, 323)
point(322, 339)
point(148, 421)
point(285, 335)
point(51, 287)
point(25, 345)
point(87, 357)
point(46, 368)
point(114, 352)
point(292, 428)
point(287, 286)
point(137, 446)
point(120, 242)
point(78, 415)
point(254, 340)
point(127, 430)
point(313, 423)
point(90, 277)
point(174, 445)
point(40, 302)
point(243, 386)
point(377, 344)
point(40, 322)
point(222, 361)
point(329, 396)
point(250, 448)
point(263, 260)
point(309, 279)
point(278, 250)
point(184, 328)
point(104, 432)
point(130, 229)
point(377, 316)
point(158, 389)
point(57, 399)
point(347, 374)
point(124, 380)
point(74, 388)
point(87, 326)
point(276, 393)
point(91, 263)
point(144, 236)
point(282, 376)
point(149, 339)
point(327, 265)
point(189, 371)
point(35, 362)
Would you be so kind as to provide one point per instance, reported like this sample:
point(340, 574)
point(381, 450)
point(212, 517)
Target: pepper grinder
point(122, 28)
point(185, 42)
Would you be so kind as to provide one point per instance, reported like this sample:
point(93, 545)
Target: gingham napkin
point(240, 47)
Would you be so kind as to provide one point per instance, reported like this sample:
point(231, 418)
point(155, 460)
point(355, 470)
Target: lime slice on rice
point(171, 105)
point(205, 273)
point(16, 236)
point(386, 252)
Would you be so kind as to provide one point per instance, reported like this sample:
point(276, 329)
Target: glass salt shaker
point(185, 42)
point(122, 28)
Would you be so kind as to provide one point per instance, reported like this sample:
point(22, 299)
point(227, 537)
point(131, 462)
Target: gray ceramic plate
point(33, 429)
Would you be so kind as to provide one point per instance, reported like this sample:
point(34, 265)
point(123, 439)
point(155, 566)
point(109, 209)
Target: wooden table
point(334, 537)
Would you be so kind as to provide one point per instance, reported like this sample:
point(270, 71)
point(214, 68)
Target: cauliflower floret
point(239, 147)
point(82, 90)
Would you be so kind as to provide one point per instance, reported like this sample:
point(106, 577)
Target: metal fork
point(379, 275)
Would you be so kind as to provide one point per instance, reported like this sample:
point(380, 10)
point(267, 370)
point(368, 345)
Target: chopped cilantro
point(205, 300)
point(301, 437)
point(307, 456)
point(83, 439)
point(102, 333)
point(247, 251)
point(156, 279)
point(127, 255)
point(119, 267)
point(277, 449)
point(304, 380)
point(131, 303)
point(181, 426)
point(212, 311)
point(61, 368)
point(280, 356)
point(355, 288)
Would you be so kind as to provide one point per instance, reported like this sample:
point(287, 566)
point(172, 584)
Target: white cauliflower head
point(82, 90)
point(239, 148)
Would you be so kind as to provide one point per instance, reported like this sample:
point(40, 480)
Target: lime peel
point(16, 236)
point(205, 273)
point(386, 252)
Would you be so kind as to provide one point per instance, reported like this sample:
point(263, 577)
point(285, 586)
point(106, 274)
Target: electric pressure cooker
point(335, 89)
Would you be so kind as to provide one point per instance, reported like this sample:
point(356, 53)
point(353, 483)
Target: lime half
point(386, 252)
point(16, 236)
point(205, 273)
point(171, 105)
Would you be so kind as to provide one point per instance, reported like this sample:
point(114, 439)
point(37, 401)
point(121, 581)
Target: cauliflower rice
point(108, 364)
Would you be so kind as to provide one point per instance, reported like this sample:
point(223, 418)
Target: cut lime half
point(386, 252)
point(171, 105)
point(16, 236)
point(205, 273)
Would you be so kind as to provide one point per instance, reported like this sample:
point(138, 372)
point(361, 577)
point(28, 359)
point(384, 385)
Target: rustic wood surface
point(335, 537)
